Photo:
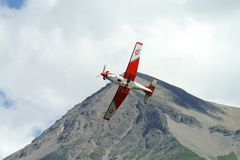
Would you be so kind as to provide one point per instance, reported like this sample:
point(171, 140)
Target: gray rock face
point(136, 131)
point(226, 132)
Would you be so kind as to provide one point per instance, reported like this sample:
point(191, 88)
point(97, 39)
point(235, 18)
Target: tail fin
point(152, 87)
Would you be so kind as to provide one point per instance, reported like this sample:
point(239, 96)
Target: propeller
point(104, 68)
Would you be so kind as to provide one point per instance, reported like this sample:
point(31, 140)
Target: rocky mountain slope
point(174, 125)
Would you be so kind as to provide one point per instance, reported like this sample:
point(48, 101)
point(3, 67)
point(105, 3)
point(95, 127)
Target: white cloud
point(52, 50)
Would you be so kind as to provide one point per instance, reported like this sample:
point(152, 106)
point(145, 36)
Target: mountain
point(174, 125)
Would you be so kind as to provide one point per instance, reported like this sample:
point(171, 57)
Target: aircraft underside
point(126, 83)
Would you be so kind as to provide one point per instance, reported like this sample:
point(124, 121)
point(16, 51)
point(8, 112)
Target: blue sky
point(14, 4)
point(52, 50)
point(5, 101)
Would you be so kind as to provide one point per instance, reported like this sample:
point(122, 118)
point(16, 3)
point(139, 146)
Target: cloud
point(51, 52)
point(213, 8)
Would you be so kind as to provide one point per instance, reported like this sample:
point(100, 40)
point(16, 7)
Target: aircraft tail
point(152, 87)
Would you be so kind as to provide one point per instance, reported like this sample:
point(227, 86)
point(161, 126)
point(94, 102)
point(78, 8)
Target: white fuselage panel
point(126, 83)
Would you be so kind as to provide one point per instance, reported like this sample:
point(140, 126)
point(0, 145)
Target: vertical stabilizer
point(152, 87)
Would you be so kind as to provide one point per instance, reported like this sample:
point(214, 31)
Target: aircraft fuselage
point(124, 82)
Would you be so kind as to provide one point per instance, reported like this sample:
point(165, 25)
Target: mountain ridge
point(136, 131)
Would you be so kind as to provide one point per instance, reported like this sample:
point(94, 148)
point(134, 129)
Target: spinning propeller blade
point(104, 68)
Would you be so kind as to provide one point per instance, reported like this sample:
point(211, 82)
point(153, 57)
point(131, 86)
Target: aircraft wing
point(132, 67)
point(119, 97)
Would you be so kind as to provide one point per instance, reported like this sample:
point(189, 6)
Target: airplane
point(127, 83)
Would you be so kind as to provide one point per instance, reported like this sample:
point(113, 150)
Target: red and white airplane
point(126, 83)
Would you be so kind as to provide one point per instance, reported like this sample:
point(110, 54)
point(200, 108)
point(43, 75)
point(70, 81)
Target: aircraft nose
point(104, 74)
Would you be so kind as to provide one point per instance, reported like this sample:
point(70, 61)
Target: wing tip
point(106, 118)
point(139, 43)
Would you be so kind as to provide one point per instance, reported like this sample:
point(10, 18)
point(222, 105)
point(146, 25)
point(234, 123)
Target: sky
point(52, 50)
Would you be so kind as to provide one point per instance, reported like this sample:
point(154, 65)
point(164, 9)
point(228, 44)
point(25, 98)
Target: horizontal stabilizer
point(152, 87)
